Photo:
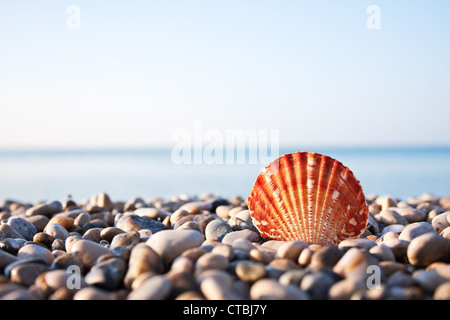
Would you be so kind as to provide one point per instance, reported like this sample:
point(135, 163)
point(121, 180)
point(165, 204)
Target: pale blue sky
point(138, 70)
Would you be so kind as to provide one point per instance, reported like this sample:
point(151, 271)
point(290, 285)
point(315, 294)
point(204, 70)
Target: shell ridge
point(259, 204)
point(323, 178)
point(302, 176)
point(358, 200)
point(291, 177)
point(280, 197)
point(287, 188)
point(331, 202)
point(345, 193)
point(270, 192)
point(311, 186)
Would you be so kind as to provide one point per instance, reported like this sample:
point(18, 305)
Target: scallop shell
point(309, 197)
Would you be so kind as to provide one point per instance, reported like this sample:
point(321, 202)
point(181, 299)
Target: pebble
point(39, 221)
point(65, 221)
point(414, 230)
point(26, 229)
point(442, 292)
point(412, 215)
point(445, 233)
point(354, 264)
point(6, 259)
point(222, 211)
point(57, 231)
point(390, 216)
point(390, 267)
point(152, 213)
point(133, 222)
point(242, 234)
point(169, 244)
point(9, 232)
point(398, 248)
point(47, 208)
point(242, 245)
point(196, 206)
point(432, 278)
point(383, 253)
point(250, 271)
point(217, 229)
point(217, 285)
point(107, 274)
point(82, 219)
point(50, 281)
point(238, 224)
point(326, 257)
point(264, 289)
point(65, 260)
point(36, 251)
point(210, 260)
point(441, 221)
point(44, 238)
point(11, 245)
point(357, 243)
point(27, 273)
point(142, 259)
point(428, 248)
point(394, 228)
point(93, 234)
point(345, 289)
point(224, 250)
point(155, 288)
point(317, 284)
point(93, 293)
point(88, 251)
point(191, 225)
point(291, 250)
point(305, 257)
point(123, 243)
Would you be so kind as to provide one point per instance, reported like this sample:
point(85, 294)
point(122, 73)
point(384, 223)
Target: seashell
point(308, 197)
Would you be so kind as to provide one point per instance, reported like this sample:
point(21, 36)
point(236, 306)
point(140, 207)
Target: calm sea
point(124, 174)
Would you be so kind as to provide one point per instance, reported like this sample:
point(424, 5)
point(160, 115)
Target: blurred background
point(93, 93)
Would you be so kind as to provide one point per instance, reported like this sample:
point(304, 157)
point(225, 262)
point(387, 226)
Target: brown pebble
point(88, 251)
point(44, 238)
point(66, 222)
point(291, 250)
point(210, 261)
point(262, 255)
point(142, 259)
point(193, 253)
point(225, 251)
point(442, 292)
point(345, 289)
point(27, 273)
point(154, 288)
point(93, 234)
point(249, 271)
point(326, 257)
point(271, 289)
point(428, 248)
point(39, 221)
point(217, 285)
point(93, 293)
point(305, 257)
point(109, 233)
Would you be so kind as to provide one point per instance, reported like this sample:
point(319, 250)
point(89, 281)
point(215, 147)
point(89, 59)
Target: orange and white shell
point(309, 197)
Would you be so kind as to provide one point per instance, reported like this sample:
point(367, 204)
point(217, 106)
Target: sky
point(115, 74)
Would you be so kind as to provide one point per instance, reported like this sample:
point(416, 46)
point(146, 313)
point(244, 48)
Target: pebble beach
point(207, 248)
